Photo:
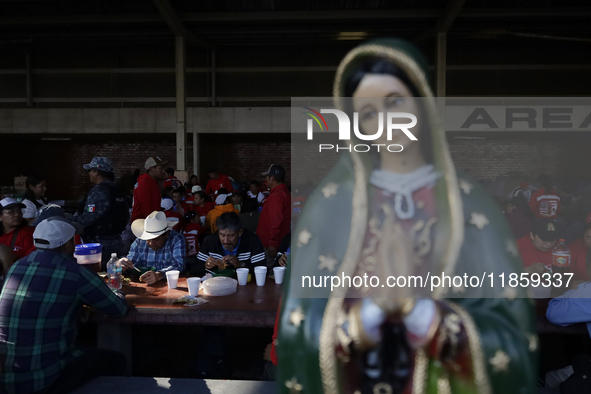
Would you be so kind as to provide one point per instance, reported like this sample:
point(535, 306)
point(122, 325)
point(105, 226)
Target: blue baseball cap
point(100, 163)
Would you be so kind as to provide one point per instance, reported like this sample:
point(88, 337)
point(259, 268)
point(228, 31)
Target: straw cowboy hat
point(151, 227)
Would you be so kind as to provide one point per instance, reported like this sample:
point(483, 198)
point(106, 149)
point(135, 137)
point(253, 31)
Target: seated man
point(535, 248)
point(156, 246)
point(16, 237)
point(40, 302)
point(572, 307)
point(231, 245)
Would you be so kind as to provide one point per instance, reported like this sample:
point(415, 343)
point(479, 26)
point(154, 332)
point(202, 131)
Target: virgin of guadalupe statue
point(403, 213)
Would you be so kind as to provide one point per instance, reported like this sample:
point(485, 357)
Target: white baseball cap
point(10, 202)
point(166, 203)
point(221, 199)
point(51, 234)
point(196, 189)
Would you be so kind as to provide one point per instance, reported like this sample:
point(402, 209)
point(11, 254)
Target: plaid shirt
point(41, 299)
point(169, 257)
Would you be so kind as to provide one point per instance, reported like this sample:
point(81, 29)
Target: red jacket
point(545, 205)
point(23, 244)
point(216, 184)
point(146, 197)
point(275, 219)
point(530, 255)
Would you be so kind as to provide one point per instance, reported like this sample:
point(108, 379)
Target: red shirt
point(578, 256)
point(173, 182)
point(190, 232)
point(216, 184)
point(545, 205)
point(24, 241)
point(275, 219)
point(530, 255)
point(146, 197)
point(204, 210)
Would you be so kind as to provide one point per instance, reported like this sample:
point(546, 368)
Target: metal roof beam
point(279, 16)
point(174, 22)
point(452, 9)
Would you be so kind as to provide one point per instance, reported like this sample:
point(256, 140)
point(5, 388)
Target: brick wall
point(560, 155)
point(244, 156)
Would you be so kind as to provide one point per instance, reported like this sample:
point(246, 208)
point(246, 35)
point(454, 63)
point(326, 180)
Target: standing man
point(275, 220)
point(146, 194)
point(39, 307)
point(217, 182)
point(104, 212)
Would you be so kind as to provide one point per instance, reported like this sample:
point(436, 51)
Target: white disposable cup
point(279, 273)
point(193, 284)
point(172, 277)
point(261, 275)
point(202, 220)
point(242, 274)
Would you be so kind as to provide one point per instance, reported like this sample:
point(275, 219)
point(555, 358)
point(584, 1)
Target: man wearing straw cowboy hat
point(157, 245)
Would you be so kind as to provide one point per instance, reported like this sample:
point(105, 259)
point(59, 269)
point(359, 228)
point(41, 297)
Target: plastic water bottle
point(114, 272)
point(560, 265)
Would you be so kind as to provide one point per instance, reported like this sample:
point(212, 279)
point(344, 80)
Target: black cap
point(546, 229)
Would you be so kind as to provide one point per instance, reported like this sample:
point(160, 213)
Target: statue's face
point(385, 93)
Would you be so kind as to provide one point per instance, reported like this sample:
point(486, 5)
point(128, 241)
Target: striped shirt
point(169, 257)
point(39, 305)
point(250, 249)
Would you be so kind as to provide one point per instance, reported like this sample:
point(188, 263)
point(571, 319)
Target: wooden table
point(250, 306)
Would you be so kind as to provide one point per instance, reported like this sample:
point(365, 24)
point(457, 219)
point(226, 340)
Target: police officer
point(105, 212)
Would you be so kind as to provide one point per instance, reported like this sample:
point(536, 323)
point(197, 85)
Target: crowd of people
point(189, 228)
point(540, 218)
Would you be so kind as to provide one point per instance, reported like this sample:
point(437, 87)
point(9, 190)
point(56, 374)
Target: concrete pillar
point(181, 104)
point(195, 153)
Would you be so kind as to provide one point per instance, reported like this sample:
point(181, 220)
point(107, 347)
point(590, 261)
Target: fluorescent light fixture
point(352, 35)
point(55, 139)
